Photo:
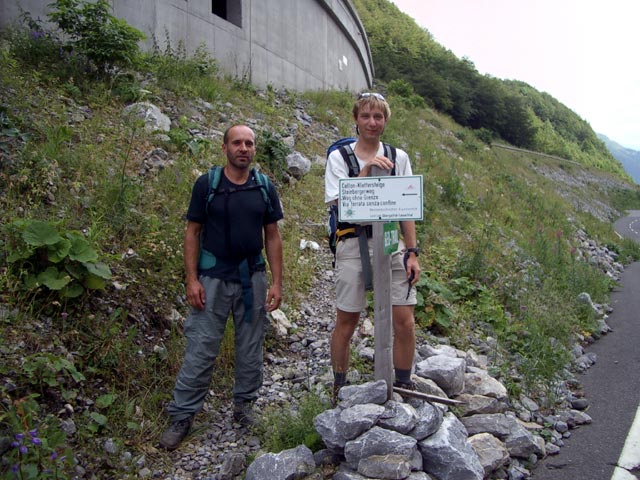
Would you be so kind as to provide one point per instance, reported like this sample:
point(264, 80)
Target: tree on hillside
point(510, 109)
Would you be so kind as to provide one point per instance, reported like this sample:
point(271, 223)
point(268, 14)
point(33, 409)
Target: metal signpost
point(382, 200)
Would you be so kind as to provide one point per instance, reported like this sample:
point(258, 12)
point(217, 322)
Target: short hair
point(225, 138)
point(372, 100)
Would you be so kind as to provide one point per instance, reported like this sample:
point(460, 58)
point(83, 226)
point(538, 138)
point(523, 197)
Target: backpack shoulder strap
point(391, 153)
point(263, 182)
point(214, 179)
point(350, 158)
point(215, 173)
point(352, 162)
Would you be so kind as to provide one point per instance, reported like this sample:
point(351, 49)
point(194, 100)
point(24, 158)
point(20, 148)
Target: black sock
point(403, 376)
point(339, 378)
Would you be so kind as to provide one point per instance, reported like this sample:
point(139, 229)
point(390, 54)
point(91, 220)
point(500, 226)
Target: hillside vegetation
point(92, 207)
point(507, 109)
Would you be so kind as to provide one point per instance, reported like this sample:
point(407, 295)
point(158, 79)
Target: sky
point(584, 53)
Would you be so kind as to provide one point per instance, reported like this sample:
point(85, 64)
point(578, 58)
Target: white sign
point(371, 199)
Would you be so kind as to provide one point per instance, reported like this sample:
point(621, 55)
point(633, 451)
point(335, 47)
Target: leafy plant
point(33, 44)
point(405, 90)
point(282, 429)
point(434, 303)
point(63, 262)
point(37, 449)
point(452, 189)
point(183, 138)
point(46, 369)
point(185, 74)
point(105, 41)
point(273, 152)
point(8, 132)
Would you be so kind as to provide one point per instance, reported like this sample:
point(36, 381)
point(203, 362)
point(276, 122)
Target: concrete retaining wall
point(296, 44)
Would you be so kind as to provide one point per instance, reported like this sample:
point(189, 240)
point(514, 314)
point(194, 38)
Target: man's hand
point(274, 297)
point(195, 294)
point(380, 161)
point(413, 268)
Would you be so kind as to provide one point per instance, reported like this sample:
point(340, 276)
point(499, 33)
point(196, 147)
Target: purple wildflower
point(36, 441)
point(23, 449)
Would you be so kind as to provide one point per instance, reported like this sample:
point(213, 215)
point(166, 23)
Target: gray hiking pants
point(204, 330)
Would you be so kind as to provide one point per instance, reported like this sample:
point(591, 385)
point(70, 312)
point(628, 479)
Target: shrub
point(401, 88)
point(63, 262)
point(34, 45)
point(272, 151)
point(105, 41)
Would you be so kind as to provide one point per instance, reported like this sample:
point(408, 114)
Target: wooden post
point(382, 317)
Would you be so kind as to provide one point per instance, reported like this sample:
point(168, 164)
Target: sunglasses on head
point(371, 94)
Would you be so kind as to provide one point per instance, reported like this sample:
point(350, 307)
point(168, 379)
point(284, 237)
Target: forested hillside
point(509, 110)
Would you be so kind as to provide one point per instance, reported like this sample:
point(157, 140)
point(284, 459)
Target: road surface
point(609, 448)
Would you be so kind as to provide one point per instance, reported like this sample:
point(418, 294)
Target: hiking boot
point(176, 432)
point(335, 389)
point(243, 414)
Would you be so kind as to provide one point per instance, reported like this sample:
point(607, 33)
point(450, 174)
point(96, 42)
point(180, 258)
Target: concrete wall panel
point(297, 44)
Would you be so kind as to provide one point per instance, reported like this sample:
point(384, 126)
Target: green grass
point(282, 429)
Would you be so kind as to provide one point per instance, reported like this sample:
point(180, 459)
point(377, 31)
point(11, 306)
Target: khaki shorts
point(350, 293)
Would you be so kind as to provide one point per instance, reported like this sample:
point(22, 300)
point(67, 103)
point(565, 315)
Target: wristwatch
point(415, 250)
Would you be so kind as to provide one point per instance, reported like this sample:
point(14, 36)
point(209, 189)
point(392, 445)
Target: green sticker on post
point(391, 237)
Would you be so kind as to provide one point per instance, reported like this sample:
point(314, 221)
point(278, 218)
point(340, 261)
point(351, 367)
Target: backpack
point(206, 259)
point(262, 182)
point(344, 146)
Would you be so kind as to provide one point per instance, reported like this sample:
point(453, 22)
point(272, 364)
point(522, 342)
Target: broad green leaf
point(105, 400)
point(98, 418)
point(31, 282)
point(76, 270)
point(81, 251)
point(99, 269)
point(40, 233)
point(72, 290)
point(133, 426)
point(53, 278)
point(20, 254)
point(52, 381)
point(420, 299)
point(31, 470)
point(93, 282)
point(58, 251)
point(441, 289)
point(69, 395)
point(443, 321)
point(76, 375)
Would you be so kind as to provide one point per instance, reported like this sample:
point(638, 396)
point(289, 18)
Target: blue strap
point(247, 291)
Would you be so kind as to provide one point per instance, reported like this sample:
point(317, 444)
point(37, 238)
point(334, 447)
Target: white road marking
point(622, 474)
point(631, 226)
point(630, 456)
